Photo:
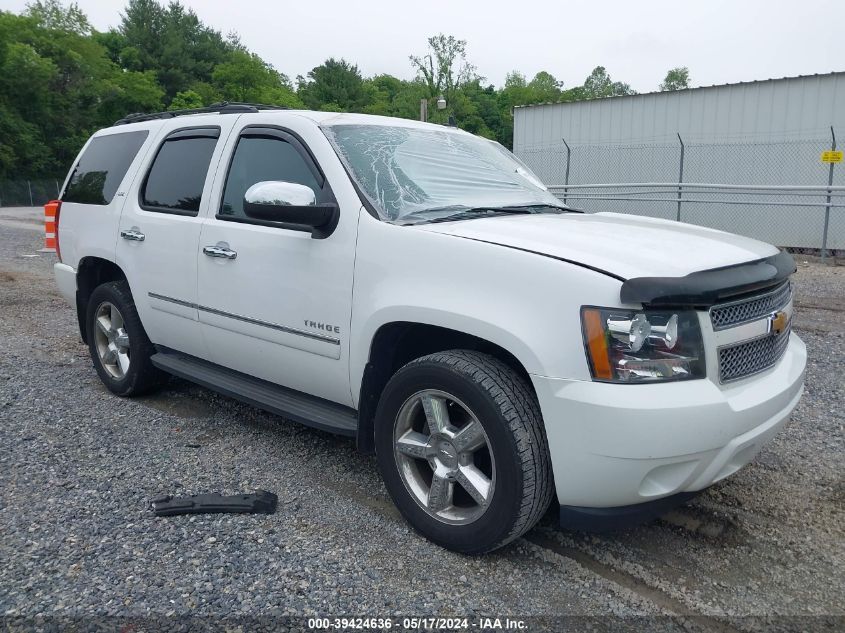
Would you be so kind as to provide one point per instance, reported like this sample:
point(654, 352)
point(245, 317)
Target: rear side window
point(101, 168)
point(175, 181)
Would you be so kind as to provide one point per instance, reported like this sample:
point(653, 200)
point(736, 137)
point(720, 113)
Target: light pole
point(441, 105)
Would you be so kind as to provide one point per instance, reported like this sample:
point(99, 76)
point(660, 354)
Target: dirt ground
point(760, 550)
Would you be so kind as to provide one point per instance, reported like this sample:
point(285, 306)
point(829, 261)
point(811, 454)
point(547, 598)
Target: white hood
point(625, 245)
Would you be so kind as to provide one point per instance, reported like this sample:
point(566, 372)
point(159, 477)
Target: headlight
point(634, 346)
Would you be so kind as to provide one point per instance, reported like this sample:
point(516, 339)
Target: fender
point(526, 304)
point(92, 272)
point(421, 315)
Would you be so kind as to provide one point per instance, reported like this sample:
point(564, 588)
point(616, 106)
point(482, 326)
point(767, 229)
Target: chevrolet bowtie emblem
point(778, 322)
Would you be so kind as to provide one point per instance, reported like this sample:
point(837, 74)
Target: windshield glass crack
point(420, 174)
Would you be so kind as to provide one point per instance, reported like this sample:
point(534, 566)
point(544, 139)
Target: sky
point(636, 40)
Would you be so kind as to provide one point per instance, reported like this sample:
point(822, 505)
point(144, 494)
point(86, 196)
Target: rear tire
point(462, 450)
point(118, 344)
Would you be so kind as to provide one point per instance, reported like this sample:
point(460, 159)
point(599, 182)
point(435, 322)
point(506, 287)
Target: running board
point(290, 404)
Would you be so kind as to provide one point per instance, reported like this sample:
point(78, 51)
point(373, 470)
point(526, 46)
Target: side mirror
point(290, 204)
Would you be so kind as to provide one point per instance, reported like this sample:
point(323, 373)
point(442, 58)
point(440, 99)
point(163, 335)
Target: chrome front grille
point(730, 314)
point(746, 331)
point(750, 357)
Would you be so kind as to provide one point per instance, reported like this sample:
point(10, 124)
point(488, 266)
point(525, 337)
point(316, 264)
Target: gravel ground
point(78, 466)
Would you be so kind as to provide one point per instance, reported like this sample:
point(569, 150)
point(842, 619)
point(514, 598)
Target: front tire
point(118, 343)
point(462, 450)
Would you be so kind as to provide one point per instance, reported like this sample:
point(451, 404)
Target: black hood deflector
point(709, 287)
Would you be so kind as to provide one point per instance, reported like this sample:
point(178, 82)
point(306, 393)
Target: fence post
point(680, 177)
point(566, 176)
point(57, 188)
point(827, 204)
point(29, 186)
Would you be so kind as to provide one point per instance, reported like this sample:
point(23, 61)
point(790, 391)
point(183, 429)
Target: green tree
point(676, 79)
point(381, 91)
point(515, 91)
point(25, 81)
point(207, 92)
point(172, 42)
point(476, 109)
point(52, 14)
point(114, 43)
point(246, 77)
point(186, 100)
point(23, 149)
point(124, 92)
point(142, 28)
point(58, 84)
point(545, 88)
point(444, 67)
point(405, 102)
point(60, 80)
point(599, 84)
point(241, 77)
point(335, 82)
point(27, 77)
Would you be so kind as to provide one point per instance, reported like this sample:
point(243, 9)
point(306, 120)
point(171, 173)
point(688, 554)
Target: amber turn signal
point(596, 340)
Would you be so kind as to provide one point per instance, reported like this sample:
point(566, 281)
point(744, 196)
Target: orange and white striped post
point(50, 210)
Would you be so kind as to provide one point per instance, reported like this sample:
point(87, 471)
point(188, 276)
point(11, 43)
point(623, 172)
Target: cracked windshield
point(413, 175)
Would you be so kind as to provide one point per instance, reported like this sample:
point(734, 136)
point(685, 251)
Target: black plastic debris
point(260, 502)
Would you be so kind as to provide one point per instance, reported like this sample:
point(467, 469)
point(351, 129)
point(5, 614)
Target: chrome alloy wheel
point(444, 457)
point(111, 340)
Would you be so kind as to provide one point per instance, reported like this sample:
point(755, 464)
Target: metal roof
point(659, 92)
point(772, 110)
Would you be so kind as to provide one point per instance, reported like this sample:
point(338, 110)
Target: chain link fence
point(28, 193)
point(776, 191)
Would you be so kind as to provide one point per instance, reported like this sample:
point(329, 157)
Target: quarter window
point(101, 168)
point(176, 179)
point(259, 158)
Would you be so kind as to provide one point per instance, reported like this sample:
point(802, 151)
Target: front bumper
point(617, 445)
point(619, 517)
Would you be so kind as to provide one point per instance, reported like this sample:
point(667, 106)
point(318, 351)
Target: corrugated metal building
point(766, 133)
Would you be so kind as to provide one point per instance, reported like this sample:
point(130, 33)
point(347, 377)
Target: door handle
point(219, 250)
point(132, 235)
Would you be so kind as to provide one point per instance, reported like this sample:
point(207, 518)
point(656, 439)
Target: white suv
point(417, 288)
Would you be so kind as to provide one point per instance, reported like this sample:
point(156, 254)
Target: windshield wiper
point(461, 212)
point(476, 212)
point(535, 207)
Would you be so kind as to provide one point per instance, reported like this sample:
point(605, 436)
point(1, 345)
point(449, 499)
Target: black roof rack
point(224, 107)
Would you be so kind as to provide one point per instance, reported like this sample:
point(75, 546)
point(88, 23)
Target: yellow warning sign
point(832, 156)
